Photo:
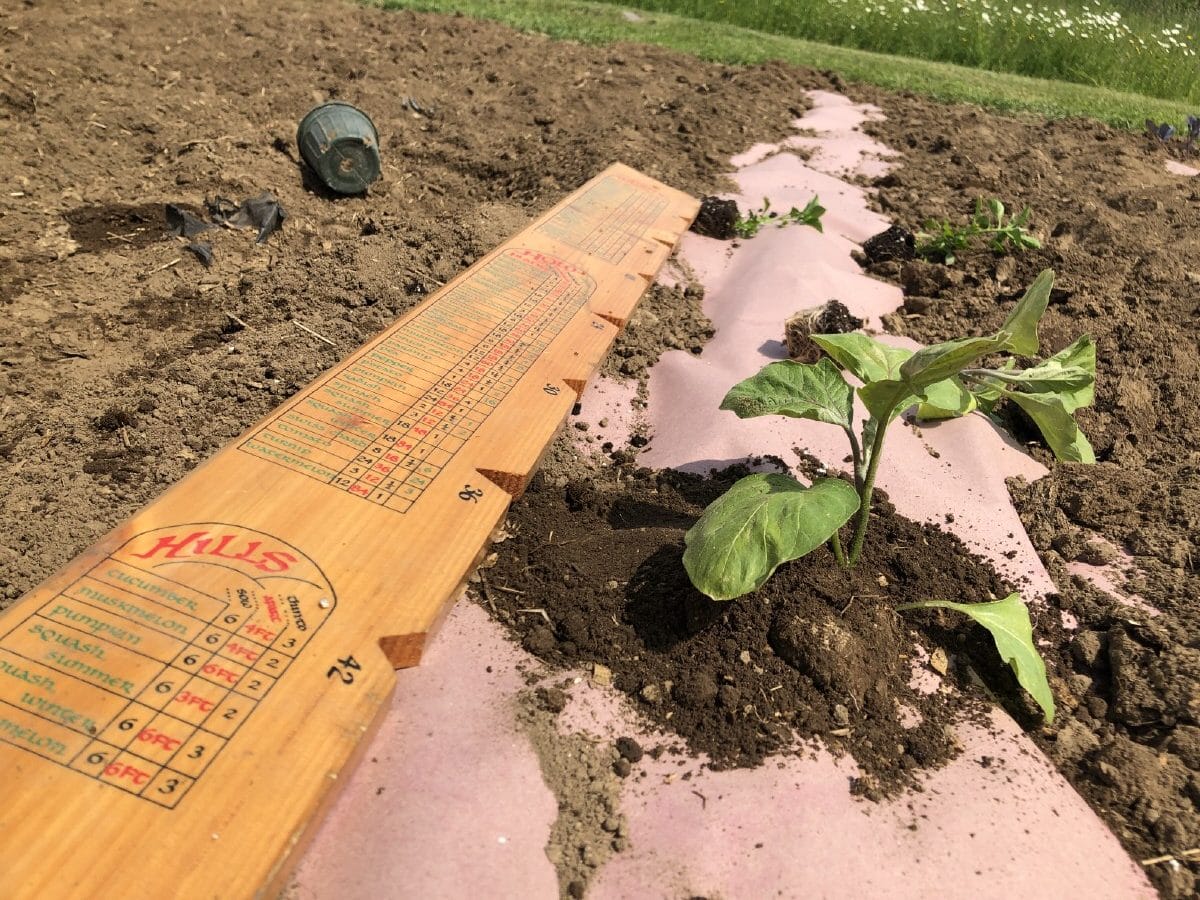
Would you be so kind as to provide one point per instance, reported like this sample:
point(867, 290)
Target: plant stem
point(838, 553)
point(856, 458)
point(984, 374)
point(864, 509)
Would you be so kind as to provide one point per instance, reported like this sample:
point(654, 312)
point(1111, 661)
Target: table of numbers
point(386, 424)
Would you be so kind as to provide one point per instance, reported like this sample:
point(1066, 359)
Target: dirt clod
point(717, 219)
point(552, 699)
point(629, 749)
point(830, 654)
point(831, 317)
point(115, 418)
point(896, 243)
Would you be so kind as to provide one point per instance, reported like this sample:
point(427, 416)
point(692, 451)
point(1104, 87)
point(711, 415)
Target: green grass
point(1140, 47)
point(600, 23)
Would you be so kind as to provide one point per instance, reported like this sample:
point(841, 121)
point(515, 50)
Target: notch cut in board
point(177, 703)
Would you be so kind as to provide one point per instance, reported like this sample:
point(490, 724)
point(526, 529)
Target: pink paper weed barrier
point(1109, 576)
point(453, 804)
point(449, 801)
point(997, 821)
point(935, 473)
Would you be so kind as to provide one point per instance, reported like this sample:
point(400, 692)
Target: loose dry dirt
point(124, 362)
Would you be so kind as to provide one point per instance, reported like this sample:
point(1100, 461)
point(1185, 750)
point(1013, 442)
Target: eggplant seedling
point(749, 224)
point(945, 241)
point(765, 520)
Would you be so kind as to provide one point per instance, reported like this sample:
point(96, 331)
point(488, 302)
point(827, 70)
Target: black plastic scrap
point(263, 212)
point(421, 109)
point(203, 252)
point(182, 223)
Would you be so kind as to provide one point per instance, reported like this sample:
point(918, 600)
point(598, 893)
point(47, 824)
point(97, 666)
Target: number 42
point(344, 669)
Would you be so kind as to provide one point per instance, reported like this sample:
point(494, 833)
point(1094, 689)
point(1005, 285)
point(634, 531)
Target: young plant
point(749, 224)
point(945, 241)
point(766, 520)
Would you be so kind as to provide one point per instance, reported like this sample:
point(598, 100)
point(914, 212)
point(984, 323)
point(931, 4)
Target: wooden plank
point(177, 704)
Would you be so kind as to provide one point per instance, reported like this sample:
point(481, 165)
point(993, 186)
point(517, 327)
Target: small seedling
point(941, 240)
point(749, 224)
point(765, 520)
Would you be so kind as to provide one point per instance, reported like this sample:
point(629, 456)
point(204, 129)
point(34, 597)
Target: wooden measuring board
point(177, 704)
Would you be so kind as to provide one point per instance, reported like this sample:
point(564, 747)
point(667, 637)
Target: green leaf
point(795, 389)
point(941, 361)
point(1073, 385)
point(946, 400)
point(811, 214)
point(1081, 353)
point(1019, 330)
point(1070, 373)
point(886, 399)
point(1008, 622)
point(986, 397)
point(864, 356)
point(1050, 414)
point(990, 389)
point(757, 525)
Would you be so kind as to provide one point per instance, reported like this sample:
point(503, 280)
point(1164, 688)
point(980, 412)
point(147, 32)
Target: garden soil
point(817, 652)
point(124, 362)
point(1121, 234)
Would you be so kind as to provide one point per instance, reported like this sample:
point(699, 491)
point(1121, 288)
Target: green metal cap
point(340, 144)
